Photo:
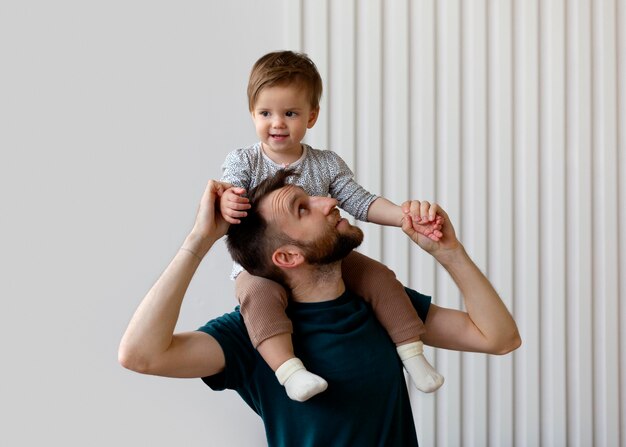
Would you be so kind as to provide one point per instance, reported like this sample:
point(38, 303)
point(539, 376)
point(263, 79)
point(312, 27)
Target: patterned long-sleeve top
point(322, 172)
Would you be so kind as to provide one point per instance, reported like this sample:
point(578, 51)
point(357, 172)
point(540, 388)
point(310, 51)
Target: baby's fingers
point(230, 220)
point(238, 206)
point(428, 211)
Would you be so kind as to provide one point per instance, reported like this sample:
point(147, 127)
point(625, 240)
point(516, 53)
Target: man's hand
point(438, 234)
point(233, 205)
point(424, 218)
point(149, 344)
point(486, 325)
point(209, 225)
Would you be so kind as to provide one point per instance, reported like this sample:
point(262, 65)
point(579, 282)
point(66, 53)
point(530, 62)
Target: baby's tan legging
point(263, 301)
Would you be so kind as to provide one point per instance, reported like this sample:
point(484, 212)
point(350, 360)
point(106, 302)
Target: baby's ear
point(313, 117)
point(287, 256)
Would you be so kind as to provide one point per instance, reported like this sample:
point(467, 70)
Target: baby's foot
point(422, 374)
point(299, 383)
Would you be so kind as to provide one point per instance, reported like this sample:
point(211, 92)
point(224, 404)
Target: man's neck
point(313, 283)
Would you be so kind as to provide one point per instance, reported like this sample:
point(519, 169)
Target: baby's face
point(282, 115)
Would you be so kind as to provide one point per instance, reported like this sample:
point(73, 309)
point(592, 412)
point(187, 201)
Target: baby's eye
point(264, 113)
point(290, 114)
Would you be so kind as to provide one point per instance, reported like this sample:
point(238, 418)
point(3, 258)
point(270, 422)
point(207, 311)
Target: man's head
point(287, 228)
point(285, 68)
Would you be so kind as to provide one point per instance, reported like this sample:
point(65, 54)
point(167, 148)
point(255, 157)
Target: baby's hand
point(233, 205)
point(425, 219)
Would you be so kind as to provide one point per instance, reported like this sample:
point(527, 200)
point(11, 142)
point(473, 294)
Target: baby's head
point(284, 68)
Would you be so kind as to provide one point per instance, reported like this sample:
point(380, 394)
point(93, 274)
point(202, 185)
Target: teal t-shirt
point(366, 403)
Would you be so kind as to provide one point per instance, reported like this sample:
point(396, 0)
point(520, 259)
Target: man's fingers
point(213, 188)
point(407, 226)
point(238, 190)
point(216, 187)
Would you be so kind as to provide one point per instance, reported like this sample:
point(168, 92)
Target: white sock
point(422, 374)
point(299, 383)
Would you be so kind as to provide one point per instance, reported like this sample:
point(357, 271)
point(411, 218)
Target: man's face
point(313, 223)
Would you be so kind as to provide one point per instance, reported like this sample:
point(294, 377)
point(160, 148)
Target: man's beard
point(333, 246)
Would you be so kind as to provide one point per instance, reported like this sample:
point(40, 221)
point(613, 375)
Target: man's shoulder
point(420, 301)
point(240, 356)
point(229, 324)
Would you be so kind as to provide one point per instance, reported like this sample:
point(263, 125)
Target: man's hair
point(285, 68)
point(251, 243)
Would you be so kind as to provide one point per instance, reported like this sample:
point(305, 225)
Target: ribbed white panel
point(579, 226)
point(315, 43)
point(500, 207)
point(341, 75)
point(448, 19)
point(605, 212)
point(512, 115)
point(552, 215)
point(621, 151)
point(422, 175)
point(395, 125)
point(369, 136)
point(473, 205)
point(526, 221)
point(293, 24)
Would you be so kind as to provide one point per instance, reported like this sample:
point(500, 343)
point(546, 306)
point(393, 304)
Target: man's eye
point(290, 114)
point(302, 210)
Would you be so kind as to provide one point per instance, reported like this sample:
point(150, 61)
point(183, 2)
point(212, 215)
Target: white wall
point(113, 115)
point(511, 114)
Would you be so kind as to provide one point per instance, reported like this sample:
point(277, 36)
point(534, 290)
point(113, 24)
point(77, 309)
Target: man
point(366, 402)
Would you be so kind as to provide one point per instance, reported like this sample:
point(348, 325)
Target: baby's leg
point(378, 285)
point(263, 304)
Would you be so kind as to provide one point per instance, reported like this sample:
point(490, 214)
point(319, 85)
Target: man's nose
point(324, 204)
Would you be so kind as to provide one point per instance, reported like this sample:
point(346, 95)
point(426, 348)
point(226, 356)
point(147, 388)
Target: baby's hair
point(285, 68)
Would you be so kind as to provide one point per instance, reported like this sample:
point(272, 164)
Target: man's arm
point(149, 344)
point(487, 326)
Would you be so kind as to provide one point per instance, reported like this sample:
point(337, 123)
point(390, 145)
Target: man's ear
point(287, 257)
point(313, 117)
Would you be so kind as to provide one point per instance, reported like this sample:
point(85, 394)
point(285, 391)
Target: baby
point(284, 91)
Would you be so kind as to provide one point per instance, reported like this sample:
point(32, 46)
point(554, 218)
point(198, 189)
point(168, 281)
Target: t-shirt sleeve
point(230, 332)
point(420, 302)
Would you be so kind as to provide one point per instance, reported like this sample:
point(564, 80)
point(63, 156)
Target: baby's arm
point(385, 212)
point(363, 205)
